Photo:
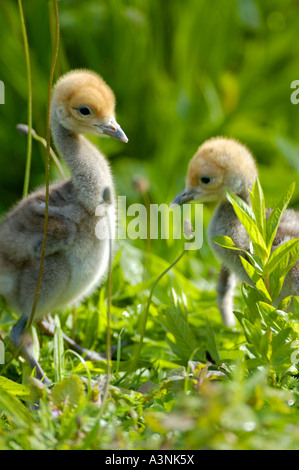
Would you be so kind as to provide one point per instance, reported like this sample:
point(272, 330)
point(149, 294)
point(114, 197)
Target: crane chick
point(75, 259)
point(222, 165)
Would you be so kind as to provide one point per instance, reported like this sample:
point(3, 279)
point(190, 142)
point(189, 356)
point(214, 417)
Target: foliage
point(270, 332)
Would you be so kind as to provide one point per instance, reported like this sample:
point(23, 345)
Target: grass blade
point(258, 207)
point(58, 351)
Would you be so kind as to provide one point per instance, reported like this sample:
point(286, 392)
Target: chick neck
point(89, 169)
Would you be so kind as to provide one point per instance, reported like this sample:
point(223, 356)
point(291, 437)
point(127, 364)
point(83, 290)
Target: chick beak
point(114, 130)
point(184, 196)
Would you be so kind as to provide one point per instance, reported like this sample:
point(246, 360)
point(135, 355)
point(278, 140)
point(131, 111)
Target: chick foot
point(17, 337)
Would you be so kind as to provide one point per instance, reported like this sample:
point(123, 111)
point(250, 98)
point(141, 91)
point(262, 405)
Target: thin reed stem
point(109, 207)
point(109, 295)
point(146, 312)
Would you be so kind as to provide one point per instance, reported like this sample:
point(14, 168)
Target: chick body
point(75, 259)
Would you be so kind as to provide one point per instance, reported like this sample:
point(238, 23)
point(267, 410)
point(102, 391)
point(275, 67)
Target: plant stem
point(145, 314)
point(48, 150)
point(109, 295)
point(29, 78)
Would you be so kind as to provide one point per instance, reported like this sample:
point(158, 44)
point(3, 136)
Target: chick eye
point(205, 179)
point(84, 110)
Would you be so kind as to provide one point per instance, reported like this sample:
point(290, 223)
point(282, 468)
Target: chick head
point(83, 103)
point(219, 165)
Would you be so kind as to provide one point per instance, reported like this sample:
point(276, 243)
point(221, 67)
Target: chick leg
point(48, 327)
point(16, 336)
point(225, 291)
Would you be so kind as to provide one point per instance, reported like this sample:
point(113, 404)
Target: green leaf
point(277, 279)
point(276, 215)
point(264, 345)
point(285, 303)
point(177, 325)
point(280, 340)
point(212, 345)
point(239, 315)
point(225, 242)
point(91, 329)
point(252, 332)
point(296, 305)
point(256, 362)
point(291, 247)
point(270, 316)
point(251, 271)
point(256, 278)
point(15, 388)
point(281, 357)
point(283, 266)
point(15, 408)
point(252, 296)
point(294, 256)
point(243, 209)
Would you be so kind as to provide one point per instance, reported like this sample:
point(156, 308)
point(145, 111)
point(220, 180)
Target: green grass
point(181, 75)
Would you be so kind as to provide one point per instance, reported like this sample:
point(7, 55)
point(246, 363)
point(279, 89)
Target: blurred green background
point(182, 71)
